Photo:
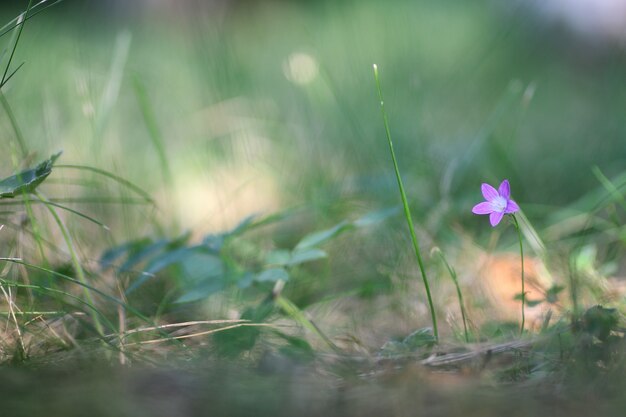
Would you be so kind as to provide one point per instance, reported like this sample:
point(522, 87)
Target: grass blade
point(459, 293)
point(405, 204)
point(138, 190)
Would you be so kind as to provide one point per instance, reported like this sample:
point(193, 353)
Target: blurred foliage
point(476, 92)
point(26, 182)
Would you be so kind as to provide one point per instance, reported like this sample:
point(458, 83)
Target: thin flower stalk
point(498, 203)
point(521, 254)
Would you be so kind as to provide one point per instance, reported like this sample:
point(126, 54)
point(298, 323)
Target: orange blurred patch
point(500, 280)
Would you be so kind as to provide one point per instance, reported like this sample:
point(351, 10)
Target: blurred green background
point(266, 105)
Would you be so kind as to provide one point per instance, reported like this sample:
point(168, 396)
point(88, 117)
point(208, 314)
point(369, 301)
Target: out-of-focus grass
point(469, 86)
point(273, 106)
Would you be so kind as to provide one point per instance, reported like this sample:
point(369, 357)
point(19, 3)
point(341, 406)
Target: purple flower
point(498, 202)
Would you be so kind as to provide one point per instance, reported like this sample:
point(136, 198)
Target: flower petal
point(505, 189)
point(495, 217)
point(511, 207)
point(482, 208)
point(488, 192)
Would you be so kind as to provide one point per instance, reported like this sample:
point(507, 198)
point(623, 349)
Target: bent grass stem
point(459, 293)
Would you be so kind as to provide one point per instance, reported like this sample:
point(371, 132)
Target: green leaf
point(200, 267)
point(243, 225)
point(553, 292)
point(204, 274)
point(317, 238)
point(314, 239)
point(113, 254)
point(529, 303)
point(297, 348)
point(150, 251)
point(233, 342)
point(376, 217)
point(246, 280)
point(278, 257)
point(272, 275)
point(161, 262)
point(281, 257)
point(28, 180)
point(214, 243)
point(170, 258)
point(599, 321)
point(202, 291)
point(140, 254)
point(420, 338)
point(301, 256)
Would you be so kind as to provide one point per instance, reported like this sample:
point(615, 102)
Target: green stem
point(296, 314)
point(459, 293)
point(405, 203)
point(521, 253)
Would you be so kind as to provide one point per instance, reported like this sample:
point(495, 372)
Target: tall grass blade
point(405, 204)
point(78, 213)
point(20, 22)
point(35, 10)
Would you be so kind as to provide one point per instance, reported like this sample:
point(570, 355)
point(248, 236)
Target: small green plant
point(226, 261)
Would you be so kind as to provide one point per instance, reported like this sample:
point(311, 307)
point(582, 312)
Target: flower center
point(499, 204)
